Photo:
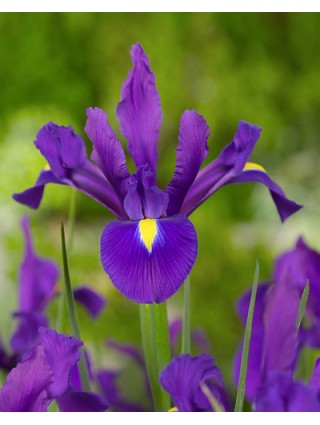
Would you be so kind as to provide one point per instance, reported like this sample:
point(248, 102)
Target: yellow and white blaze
point(253, 166)
point(148, 231)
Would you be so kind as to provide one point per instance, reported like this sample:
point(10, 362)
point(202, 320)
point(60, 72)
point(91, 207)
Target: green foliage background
point(263, 68)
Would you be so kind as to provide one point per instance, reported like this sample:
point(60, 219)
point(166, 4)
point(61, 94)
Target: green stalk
point(246, 345)
point(186, 333)
point(156, 347)
point(72, 312)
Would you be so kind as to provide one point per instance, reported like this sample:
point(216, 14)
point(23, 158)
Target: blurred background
point(262, 68)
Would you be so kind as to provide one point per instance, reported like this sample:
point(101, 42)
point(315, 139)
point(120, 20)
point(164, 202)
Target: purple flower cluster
point(277, 339)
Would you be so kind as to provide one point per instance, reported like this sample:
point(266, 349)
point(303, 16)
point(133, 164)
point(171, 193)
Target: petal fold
point(147, 261)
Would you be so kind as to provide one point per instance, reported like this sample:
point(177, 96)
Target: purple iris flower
point(281, 393)
point(38, 278)
point(151, 250)
point(93, 302)
point(274, 342)
point(303, 264)
point(44, 375)
point(182, 379)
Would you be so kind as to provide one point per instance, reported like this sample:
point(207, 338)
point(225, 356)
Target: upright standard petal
point(25, 387)
point(108, 153)
point(139, 111)
point(148, 260)
point(38, 276)
point(182, 379)
point(191, 152)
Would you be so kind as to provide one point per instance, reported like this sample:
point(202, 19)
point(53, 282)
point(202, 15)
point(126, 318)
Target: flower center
point(148, 232)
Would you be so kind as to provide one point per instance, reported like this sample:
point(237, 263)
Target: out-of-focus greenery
point(263, 68)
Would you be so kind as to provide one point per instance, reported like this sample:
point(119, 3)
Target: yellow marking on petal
point(148, 232)
point(47, 166)
point(173, 409)
point(253, 166)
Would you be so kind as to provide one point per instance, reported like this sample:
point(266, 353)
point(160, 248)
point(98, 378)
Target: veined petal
point(229, 164)
point(182, 379)
point(62, 352)
point(25, 387)
point(63, 149)
point(38, 276)
point(191, 152)
point(108, 152)
point(139, 111)
point(93, 302)
point(148, 260)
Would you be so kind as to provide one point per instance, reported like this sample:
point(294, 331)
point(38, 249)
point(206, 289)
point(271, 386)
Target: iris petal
point(139, 112)
point(191, 152)
point(147, 267)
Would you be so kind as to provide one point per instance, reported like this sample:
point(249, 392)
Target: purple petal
point(26, 335)
point(63, 149)
point(303, 264)
point(147, 261)
point(25, 387)
point(229, 164)
point(108, 152)
point(182, 379)
point(93, 302)
point(107, 381)
point(81, 401)
point(314, 382)
point(280, 318)
point(285, 206)
point(62, 353)
point(139, 111)
point(7, 361)
point(32, 197)
point(191, 152)
point(175, 329)
point(281, 394)
point(38, 276)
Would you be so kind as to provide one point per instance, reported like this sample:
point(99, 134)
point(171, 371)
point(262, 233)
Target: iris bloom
point(183, 378)
point(151, 250)
point(38, 279)
point(274, 342)
point(44, 376)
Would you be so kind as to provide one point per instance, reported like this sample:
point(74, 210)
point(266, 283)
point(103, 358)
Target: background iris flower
point(150, 251)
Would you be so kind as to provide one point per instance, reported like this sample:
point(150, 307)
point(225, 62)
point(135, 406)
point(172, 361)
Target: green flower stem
point(186, 333)
point(246, 345)
point(72, 312)
point(156, 347)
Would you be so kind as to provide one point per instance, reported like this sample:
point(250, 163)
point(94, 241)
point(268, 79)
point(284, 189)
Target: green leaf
point(72, 312)
point(246, 345)
point(302, 305)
